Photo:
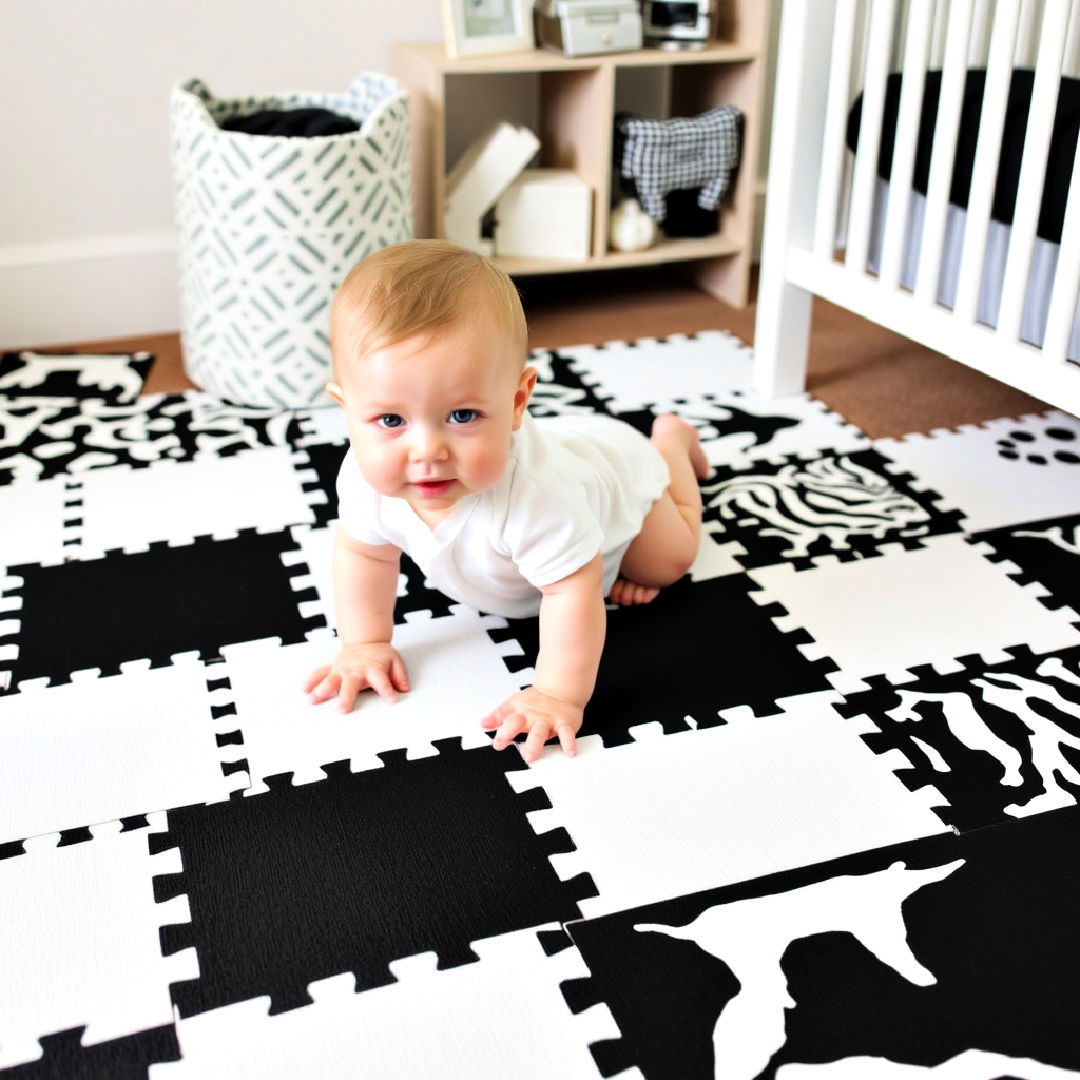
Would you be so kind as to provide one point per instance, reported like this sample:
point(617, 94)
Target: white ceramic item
point(631, 228)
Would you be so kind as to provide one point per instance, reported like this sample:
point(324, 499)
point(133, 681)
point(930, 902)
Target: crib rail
point(918, 263)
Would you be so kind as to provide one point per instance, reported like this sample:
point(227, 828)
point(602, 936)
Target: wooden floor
point(883, 383)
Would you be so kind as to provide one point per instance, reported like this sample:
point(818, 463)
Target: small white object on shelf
point(479, 177)
point(631, 228)
point(588, 27)
point(545, 214)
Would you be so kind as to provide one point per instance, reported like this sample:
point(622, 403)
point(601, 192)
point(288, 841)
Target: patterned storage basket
point(270, 225)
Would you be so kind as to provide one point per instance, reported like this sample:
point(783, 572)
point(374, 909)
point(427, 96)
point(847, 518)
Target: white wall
point(85, 185)
point(87, 248)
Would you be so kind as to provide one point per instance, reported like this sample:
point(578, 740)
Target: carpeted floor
point(823, 819)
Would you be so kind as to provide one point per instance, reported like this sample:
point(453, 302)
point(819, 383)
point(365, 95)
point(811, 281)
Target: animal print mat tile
point(823, 824)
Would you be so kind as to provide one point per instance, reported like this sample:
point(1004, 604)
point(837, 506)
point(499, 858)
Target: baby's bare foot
point(674, 429)
point(630, 592)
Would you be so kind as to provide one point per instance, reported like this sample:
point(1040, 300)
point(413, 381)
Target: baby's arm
point(365, 589)
point(572, 625)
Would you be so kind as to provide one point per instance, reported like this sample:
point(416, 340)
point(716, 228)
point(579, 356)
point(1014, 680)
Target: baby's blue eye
point(390, 420)
point(463, 416)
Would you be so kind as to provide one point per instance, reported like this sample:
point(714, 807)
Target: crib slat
point(937, 39)
point(944, 153)
point(987, 155)
point(1071, 64)
point(866, 158)
point(1044, 95)
point(916, 53)
point(981, 27)
point(1025, 55)
point(1059, 319)
point(832, 153)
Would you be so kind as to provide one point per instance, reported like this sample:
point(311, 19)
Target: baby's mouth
point(432, 487)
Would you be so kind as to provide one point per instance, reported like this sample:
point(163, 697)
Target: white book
point(486, 169)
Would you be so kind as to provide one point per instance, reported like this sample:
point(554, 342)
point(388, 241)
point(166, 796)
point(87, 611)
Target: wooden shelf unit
point(575, 100)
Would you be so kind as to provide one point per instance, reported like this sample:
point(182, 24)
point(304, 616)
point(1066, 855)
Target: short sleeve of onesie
point(357, 510)
point(550, 529)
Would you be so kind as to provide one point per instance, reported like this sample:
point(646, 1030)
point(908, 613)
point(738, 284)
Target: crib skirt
point(1040, 278)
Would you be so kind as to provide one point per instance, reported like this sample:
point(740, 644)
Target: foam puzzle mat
point(823, 823)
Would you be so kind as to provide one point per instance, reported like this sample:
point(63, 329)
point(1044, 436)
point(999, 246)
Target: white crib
point(993, 296)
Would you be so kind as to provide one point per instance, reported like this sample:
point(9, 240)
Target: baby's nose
point(428, 444)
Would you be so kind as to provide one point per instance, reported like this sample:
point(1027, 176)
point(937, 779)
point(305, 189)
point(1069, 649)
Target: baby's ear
point(524, 391)
point(334, 390)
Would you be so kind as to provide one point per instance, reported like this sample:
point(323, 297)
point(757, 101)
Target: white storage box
point(545, 214)
point(269, 226)
point(587, 27)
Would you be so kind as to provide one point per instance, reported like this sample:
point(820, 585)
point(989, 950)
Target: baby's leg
point(667, 544)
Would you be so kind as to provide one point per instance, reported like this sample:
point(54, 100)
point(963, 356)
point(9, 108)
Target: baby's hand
point(377, 665)
point(541, 715)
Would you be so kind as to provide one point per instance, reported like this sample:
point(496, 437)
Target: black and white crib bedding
point(823, 822)
point(1046, 246)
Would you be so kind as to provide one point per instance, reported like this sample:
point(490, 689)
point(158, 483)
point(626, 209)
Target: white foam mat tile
point(456, 672)
point(503, 1016)
point(629, 377)
point(1000, 473)
point(884, 615)
point(32, 516)
point(739, 429)
point(317, 552)
point(97, 749)
point(177, 501)
point(714, 392)
point(80, 944)
point(716, 555)
point(322, 425)
point(714, 806)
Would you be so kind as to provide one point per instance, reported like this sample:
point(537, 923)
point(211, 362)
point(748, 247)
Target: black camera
point(675, 24)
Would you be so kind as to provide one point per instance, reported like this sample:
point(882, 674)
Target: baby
point(507, 513)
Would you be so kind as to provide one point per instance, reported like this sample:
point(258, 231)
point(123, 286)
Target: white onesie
point(574, 486)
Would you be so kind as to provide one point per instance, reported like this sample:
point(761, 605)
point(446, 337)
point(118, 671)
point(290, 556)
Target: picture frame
point(487, 27)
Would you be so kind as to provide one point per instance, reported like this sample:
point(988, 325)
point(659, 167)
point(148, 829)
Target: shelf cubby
point(570, 102)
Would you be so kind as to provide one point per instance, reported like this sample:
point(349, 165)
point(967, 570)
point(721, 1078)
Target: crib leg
point(781, 335)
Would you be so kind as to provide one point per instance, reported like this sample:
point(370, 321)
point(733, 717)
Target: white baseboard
point(87, 290)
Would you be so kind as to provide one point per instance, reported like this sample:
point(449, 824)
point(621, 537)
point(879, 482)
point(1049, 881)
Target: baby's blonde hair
point(420, 287)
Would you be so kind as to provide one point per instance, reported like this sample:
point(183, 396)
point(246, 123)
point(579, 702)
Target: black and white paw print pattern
point(1060, 444)
point(1000, 473)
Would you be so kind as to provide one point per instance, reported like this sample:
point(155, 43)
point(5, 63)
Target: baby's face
point(430, 417)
